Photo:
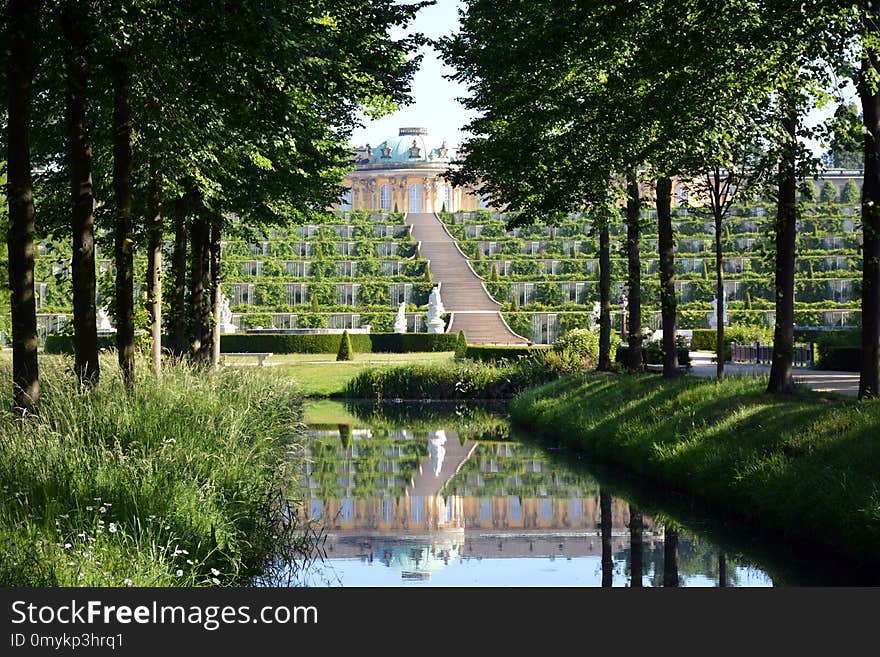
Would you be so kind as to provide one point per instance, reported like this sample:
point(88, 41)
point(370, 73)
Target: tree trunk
point(869, 377)
point(636, 525)
point(666, 247)
point(606, 524)
point(719, 295)
point(722, 570)
point(604, 299)
point(177, 328)
point(786, 218)
point(198, 303)
point(154, 267)
point(122, 163)
point(22, 24)
point(670, 557)
point(85, 328)
point(216, 290)
point(634, 274)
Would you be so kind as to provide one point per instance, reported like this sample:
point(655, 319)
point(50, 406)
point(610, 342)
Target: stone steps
point(461, 289)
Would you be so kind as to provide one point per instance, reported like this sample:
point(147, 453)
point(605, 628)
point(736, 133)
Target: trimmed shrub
point(63, 344)
point(329, 343)
point(461, 345)
point(841, 359)
point(491, 353)
point(345, 351)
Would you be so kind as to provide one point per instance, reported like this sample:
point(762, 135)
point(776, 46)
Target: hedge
point(491, 353)
point(653, 355)
point(840, 359)
point(829, 337)
point(63, 344)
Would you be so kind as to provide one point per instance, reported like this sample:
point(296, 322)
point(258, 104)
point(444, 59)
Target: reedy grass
point(173, 483)
point(806, 467)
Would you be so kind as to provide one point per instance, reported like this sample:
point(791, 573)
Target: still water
point(444, 495)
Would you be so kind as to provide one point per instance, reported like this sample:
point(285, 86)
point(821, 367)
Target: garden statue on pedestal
point(104, 325)
point(226, 325)
point(435, 312)
point(713, 320)
point(594, 316)
point(400, 320)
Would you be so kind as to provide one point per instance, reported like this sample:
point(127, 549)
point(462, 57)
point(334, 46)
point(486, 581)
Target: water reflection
point(436, 498)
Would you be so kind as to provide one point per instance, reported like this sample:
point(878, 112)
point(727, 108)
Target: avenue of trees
point(600, 105)
point(132, 122)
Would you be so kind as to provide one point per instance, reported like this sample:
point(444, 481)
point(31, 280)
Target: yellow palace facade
point(406, 173)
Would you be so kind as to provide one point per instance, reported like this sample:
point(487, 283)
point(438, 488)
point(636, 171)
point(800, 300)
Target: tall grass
point(471, 379)
point(175, 483)
point(806, 467)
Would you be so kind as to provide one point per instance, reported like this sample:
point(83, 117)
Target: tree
point(850, 193)
point(21, 29)
point(345, 350)
point(846, 150)
point(828, 193)
point(869, 94)
point(461, 345)
point(808, 191)
point(74, 19)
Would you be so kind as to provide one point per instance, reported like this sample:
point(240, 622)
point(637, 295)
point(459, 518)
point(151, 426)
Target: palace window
point(385, 196)
point(415, 197)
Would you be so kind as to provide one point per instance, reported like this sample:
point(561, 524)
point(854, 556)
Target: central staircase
point(462, 291)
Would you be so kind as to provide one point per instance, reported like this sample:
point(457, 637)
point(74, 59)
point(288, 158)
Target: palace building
point(406, 173)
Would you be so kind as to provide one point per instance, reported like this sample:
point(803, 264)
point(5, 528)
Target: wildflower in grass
point(215, 572)
point(179, 573)
point(127, 581)
point(215, 580)
point(112, 528)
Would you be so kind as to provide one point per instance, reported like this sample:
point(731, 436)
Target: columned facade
point(405, 173)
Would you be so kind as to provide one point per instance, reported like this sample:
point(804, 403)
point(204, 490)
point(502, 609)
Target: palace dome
point(410, 146)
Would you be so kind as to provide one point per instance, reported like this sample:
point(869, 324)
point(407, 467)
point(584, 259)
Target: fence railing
point(763, 354)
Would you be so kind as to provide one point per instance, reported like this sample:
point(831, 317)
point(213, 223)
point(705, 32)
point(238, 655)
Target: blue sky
point(434, 105)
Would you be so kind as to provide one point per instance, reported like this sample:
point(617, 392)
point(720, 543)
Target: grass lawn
point(320, 375)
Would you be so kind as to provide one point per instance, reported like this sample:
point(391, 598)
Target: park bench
point(261, 356)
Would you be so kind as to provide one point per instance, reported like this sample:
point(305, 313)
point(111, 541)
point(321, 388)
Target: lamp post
point(623, 301)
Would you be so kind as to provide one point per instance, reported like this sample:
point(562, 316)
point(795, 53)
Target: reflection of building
point(405, 173)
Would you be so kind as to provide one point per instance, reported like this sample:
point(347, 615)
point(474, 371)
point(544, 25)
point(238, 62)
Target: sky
point(434, 105)
point(434, 98)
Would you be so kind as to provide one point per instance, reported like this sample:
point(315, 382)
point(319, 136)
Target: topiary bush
point(345, 351)
point(461, 345)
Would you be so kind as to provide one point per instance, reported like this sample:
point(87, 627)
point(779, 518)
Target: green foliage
point(280, 343)
point(808, 191)
point(850, 194)
point(803, 466)
point(345, 351)
point(582, 342)
point(171, 482)
point(828, 193)
point(493, 353)
point(843, 359)
point(461, 345)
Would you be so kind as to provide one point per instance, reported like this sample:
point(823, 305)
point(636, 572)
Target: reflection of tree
point(670, 557)
point(517, 470)
point(722, 569)
point(484, 422)
point(636, 524)
point(605, 524)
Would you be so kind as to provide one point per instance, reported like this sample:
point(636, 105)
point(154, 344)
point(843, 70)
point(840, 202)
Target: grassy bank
point(174, 484)
point(808, 467)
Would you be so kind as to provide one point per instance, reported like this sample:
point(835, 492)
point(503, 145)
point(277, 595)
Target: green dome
point(412, 145)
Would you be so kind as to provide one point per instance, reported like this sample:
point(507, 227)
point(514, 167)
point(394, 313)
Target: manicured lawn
point(320, 375)
point(807, 467)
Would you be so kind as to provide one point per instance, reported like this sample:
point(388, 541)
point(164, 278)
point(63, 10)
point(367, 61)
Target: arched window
point(445, 196)
point(415, 197)
point(346, 200)
point(385, 197)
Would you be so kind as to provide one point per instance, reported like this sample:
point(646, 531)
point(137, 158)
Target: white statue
point(104, 325)
point(594, 316)
point(226, 325)
point(435, 312)
point(713, 320)
point(400, 320)
point(437, 450)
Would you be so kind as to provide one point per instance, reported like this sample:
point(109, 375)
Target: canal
point(439, 494)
